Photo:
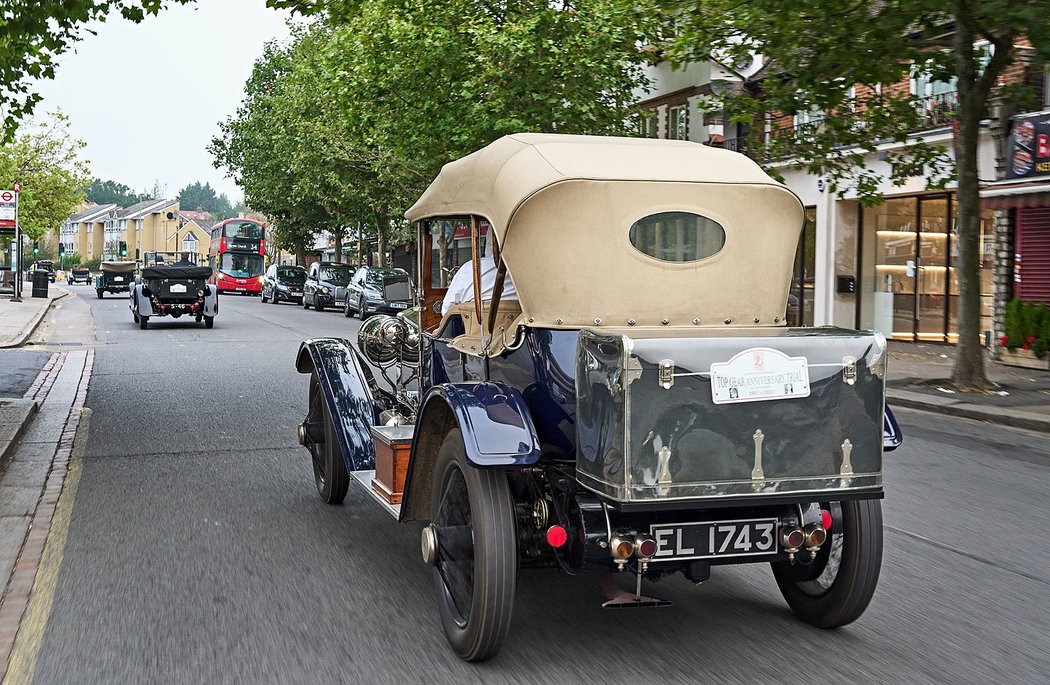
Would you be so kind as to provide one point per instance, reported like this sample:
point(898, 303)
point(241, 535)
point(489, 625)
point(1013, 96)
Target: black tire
point(475, 597)
point(361, 308)
point(330, 475)
point(274, 299)
point(306, 305)
point(318, 306)
point(143, 322)
point(262, 296)
point(346, 308)
point(836, 587)
point(98, 292)
point(209, 322)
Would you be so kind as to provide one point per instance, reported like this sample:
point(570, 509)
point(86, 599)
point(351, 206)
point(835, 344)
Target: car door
point(353, 290)
point(311, 284)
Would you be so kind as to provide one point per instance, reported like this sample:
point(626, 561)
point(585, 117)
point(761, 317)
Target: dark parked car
point(664, 422)
point(377, 290)
point(79, 274)
point(44, 265)
point(283, 284)
point(326, 284)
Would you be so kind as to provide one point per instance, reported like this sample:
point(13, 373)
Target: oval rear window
point(677, 236)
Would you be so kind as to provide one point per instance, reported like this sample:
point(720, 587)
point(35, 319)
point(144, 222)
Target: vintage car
point(115, 277)
point(663, 421)
point(79, 274)
point(176, 290)
point(377, 290)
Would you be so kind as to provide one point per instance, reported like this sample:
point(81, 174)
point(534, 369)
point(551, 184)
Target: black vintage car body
point(283, 284)
point(115, 277)
point(177, 290)
point(602, 426)
point(377, 290)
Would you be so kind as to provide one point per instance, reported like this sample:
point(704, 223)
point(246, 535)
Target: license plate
point(297, 293)
point(117, 279)
point(399, 305)
point(177, 288)
point(753, 537)
point(241, 280)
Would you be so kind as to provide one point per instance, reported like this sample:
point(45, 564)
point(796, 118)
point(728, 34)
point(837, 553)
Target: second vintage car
point(79, 274)
point(177, 290)
point(666, 421)
point(115, 277)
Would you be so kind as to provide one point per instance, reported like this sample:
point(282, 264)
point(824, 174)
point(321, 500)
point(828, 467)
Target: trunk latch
point(849, 370)
point(666, 374)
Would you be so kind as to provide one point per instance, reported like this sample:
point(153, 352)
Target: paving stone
point(12, 533)
point(25, 472)
point(18, 500)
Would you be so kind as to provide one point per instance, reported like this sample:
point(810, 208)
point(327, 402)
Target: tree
point(111, 192)
point(349, 122)
point(36, 33)
point(198, 196)
point(46, 161)
point(830, 56)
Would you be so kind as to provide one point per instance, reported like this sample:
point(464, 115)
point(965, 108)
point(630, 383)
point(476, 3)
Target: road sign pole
point(19, 268)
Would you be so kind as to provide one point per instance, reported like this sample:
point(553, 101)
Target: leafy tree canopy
point(45, 159)
point(348, 123)
point(106, 192)
point(832, 57)
point(198, 196)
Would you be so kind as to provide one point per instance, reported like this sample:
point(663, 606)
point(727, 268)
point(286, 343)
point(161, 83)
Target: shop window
point(800, 297)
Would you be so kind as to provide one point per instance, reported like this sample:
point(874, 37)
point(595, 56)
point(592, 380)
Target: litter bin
point(40, 279)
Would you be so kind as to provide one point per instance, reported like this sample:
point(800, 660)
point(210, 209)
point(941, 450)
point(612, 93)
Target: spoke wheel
point(330, 475)
point(836, 587)
point(475, 580)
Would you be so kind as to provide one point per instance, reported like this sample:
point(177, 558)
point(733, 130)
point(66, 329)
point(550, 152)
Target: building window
point(189, 243)
point(677, 126)
point(647, 124)
point(138, 225)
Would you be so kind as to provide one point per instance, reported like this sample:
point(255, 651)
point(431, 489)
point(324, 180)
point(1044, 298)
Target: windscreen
point(241, 265)
point(375, 277)
point(244, 229)
point(337, 275)
point(291, 275)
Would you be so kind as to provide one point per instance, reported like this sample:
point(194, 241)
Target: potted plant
point(1026, 335)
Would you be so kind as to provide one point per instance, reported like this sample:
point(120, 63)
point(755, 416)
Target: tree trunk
point(338, 237)
point(300, 253)
point(382, 236)
point(969, 357)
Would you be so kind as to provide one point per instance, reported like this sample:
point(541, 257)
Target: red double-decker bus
point(236, 256)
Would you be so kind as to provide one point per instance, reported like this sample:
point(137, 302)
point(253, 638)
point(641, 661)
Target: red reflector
point(646, 547)
point(825, 519)
point(557, 536)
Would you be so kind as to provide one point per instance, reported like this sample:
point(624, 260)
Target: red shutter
point(1033, 244)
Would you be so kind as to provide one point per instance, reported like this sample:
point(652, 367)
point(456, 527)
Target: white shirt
point(461, 289)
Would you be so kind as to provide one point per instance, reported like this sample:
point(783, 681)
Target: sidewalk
point(919, 376)
point(18, 320)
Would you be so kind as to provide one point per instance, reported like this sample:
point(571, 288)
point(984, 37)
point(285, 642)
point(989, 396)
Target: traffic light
point(138, 254)
point(36, 247)
point(123, 249)
point(61, 249)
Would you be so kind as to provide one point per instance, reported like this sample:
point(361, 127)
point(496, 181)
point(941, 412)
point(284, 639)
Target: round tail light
point(557, 536)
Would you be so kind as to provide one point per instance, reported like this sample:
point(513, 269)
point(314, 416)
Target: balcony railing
point(935, 111)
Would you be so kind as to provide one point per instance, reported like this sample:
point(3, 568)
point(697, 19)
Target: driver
point(461, 289)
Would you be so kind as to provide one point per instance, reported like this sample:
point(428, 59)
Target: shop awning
point(1013, 195)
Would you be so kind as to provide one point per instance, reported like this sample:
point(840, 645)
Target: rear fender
point(142, 303)
point(497, 433)
point(892, 437)
point(347, 385)
point(211, 300)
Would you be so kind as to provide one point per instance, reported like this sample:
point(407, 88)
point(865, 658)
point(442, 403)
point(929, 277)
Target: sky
point(148, 98)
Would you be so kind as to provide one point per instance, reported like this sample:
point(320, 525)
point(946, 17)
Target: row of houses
point(891, 267)
point(96, 231)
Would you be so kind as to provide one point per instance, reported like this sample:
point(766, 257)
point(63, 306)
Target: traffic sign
point(8, 196)
point(17, 187)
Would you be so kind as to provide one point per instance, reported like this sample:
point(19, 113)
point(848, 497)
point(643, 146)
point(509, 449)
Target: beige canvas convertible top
point(562, 207)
